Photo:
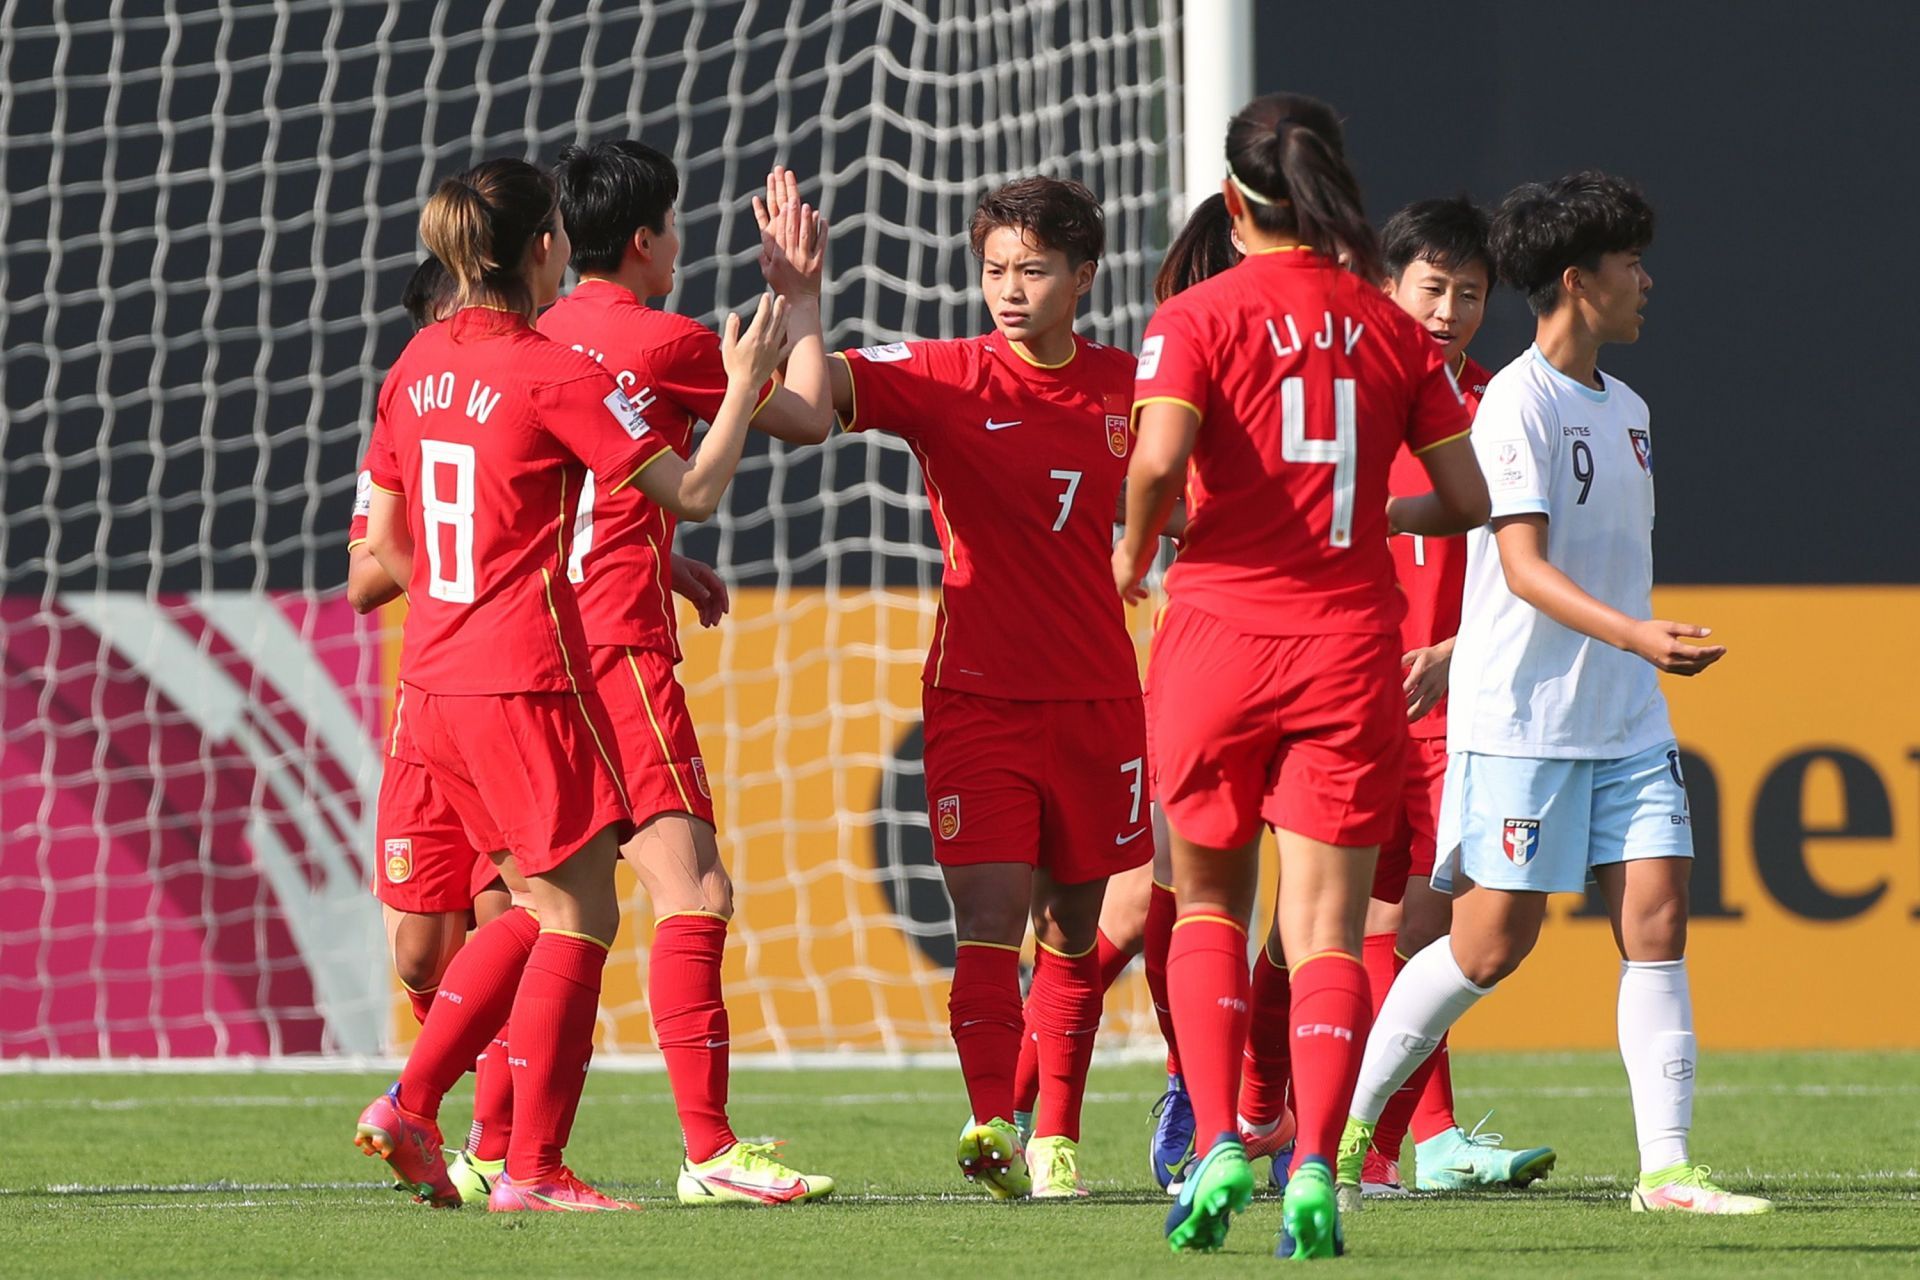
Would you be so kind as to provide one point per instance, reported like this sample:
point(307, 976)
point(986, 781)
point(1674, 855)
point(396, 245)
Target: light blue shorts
point(1523, 823)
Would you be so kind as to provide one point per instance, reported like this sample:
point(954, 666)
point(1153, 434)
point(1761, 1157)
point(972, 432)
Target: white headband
point(1250, 193)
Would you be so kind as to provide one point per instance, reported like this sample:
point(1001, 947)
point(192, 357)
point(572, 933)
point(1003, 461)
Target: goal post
point(210, 212)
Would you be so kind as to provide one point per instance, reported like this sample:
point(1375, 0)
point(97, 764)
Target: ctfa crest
point(949, 817)
point(399, 855)
point(1642, 448)
point(1520, 840)
point(700, 776)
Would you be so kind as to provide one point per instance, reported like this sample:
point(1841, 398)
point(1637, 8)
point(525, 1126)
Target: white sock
point(1656, 1043)
point(1427, 998)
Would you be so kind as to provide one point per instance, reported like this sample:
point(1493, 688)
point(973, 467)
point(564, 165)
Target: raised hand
point(793, 237)
point(751, 357)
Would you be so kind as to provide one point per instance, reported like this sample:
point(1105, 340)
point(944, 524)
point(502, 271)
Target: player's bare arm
point(1459, 500)
point(701, 587)
point(793, 253)
point(368, 585)
point(1176, 525)
point(1530, 576)
point(389, 541)
point(1162, 444)
point(692, 490)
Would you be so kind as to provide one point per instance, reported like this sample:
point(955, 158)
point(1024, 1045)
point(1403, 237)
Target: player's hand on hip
point(1664, 644)
point(1426, 680)
point(751, 357)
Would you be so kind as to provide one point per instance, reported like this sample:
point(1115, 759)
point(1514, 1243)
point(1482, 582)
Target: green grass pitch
point(119, 1174)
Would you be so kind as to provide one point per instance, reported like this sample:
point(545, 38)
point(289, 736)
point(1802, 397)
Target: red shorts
point(1409, 850)
point(426, 863)
point(663, 770)
point(1308, 733)
point(1058, 785)
point(535, 774)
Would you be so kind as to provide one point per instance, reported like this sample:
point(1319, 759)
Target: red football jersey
point(1432, 571)
point(1307, 381)
point(1023, 466)
point(484, 426)
point(670, 368)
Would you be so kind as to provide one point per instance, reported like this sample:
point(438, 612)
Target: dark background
point(196, 313)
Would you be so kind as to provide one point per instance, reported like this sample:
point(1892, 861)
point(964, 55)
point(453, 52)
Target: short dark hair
point(608, 191)
point(1202, 250)
point(1542, 228)
point(429, 289)
point(1057, 213)
point(1449, 233)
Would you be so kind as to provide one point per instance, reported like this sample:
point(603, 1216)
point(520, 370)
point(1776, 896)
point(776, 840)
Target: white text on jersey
point(1350, 331)
point(436, 392)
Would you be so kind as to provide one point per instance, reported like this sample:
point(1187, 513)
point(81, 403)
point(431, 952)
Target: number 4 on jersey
point(1339, 451)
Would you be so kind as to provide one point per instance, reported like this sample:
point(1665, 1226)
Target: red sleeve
point(1175, 361)
point(1436, 412)
point(593, 420)
point(381, 465)
point(690, 372)
point(896, 386)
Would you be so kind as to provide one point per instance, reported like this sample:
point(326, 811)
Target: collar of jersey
point(1028, 361)
point(487, 318)
point(1288, 255)
point(614, 292)
point(1572, 384)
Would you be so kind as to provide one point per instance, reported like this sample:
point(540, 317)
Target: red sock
point(1265, 1074)
point(1207, 965)
point(1064, 1007)
point(1383, 965)
point(1433, 1111)
point(1161, 910)
point(475, 993)
point(1026, 1072)
point(1113, 960)
point(1331, 1015)
point(422, 1000)
point(984, 1011)
point(553, 1019)
point(492, 1102)
point(690, 1026)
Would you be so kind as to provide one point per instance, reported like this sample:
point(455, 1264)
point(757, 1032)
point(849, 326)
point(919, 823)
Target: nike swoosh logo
point(1120, 840)
point(1002, 426)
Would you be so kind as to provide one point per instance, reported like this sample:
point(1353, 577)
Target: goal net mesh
point(209, 214)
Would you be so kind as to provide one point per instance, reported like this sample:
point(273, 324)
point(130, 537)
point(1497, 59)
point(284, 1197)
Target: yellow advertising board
point(1802, 754)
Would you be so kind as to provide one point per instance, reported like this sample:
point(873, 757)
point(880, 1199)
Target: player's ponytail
point(1287, 157)
point(1204, 248)
point(480, 225)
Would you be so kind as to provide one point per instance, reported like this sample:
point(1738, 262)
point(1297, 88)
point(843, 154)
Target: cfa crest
point(1642, 448)
point(699, 767)
point(1117, 434)
point(399, 856)
point(948, 815)
point(1520, 840)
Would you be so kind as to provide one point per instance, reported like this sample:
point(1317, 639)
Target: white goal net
point(209, 211)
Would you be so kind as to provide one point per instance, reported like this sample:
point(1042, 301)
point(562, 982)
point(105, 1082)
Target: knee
point(989, 920)
point(1656, 930)
point(420, 957)
point(1416, 936)
point(716, 893)
point(1490, 960)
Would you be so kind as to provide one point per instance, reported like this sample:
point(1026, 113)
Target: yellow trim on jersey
point(675, 915)
point(1184, 920)
point(773, 385)
point(355, 542)
point(1133, 416)
point(584, 937)
point(393, 734)
point(1335, 954)
point(940, 503)
point(633, 475)
point(663, 573)
point(1064, 955)
point(546, 581)
point(853, 389)
point(1279, 248)
point(1429, 448)
point(391, 493)
point(666, 753)
point(560, 533)
point(1019, 350)
point(997, 946)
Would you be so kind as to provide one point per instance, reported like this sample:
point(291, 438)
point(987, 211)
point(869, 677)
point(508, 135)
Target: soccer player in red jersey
point(617, 199)
point(486, 427)
point(1035, 737)
point(1275, 683)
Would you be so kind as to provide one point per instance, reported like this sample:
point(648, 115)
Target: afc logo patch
point(699, 767)
point(399, 859)
point(948, 817)
point(1520, 840)
point(1642, 448)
